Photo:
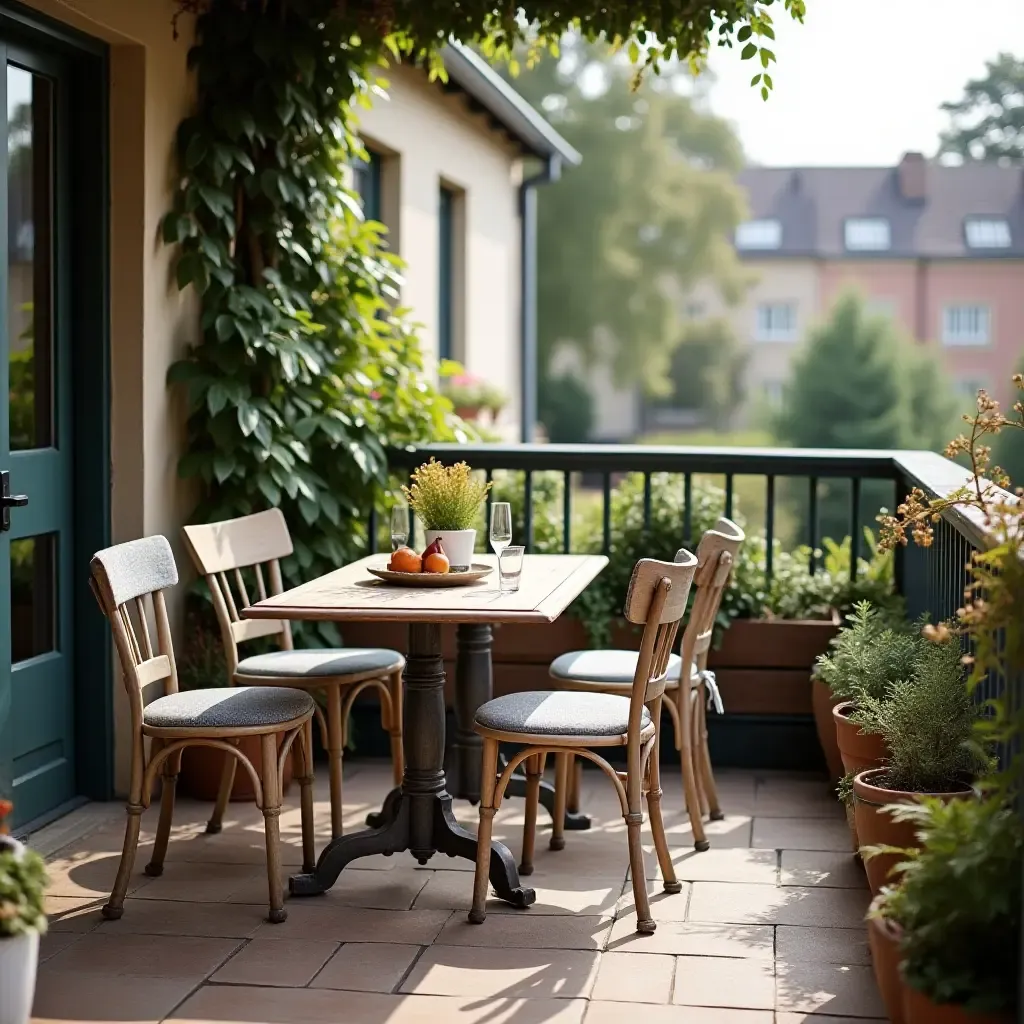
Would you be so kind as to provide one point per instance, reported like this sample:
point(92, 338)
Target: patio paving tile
point(720, 864)
point(95, 996)
point(694, 939)
point(504, 973)
point(72, 913)
point(762, 904)
point(635, 978)
point(819, 867)
point(391, 890)
point(163, 917)
point(802, 834)
point(527, 931)
point(827, 988)
point(823, 945)
point(152, 956)
point(315, 917)
point(367, 966)
point(286, 962)
point(612, 1013)
point(725, 982)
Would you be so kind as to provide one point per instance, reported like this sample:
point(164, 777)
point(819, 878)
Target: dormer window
point(987, 233)
point(759, 234)
point(866, 234)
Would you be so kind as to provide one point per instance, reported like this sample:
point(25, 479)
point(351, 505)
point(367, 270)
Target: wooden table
point(419, 817)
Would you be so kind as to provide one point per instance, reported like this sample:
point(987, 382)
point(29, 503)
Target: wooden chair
point(569, 724)
point(225, 553)
point(611, 671)
point(122, 579)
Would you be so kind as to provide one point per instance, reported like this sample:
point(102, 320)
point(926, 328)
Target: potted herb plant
point(866, 658)
point(926, 722)
point(956, 914)
point(447, 500)
point(22, 922)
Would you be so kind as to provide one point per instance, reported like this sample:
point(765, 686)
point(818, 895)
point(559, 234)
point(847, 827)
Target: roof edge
point(479, 80)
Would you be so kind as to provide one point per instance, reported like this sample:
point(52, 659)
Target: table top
point(549, 583)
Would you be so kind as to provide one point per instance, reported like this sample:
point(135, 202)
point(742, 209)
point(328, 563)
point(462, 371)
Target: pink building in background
point(939, 249)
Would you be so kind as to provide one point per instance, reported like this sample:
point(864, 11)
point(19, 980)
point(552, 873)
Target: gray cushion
point(227, 707)
point(325, 661)
point(559, 713)
point(607, 668)
point(136, 567)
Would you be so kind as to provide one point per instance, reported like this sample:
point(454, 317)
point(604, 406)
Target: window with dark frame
point(445, 272)
point(367, 184)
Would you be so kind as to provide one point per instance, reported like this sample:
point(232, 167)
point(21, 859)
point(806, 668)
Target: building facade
point(939, 249)
point(91, 434)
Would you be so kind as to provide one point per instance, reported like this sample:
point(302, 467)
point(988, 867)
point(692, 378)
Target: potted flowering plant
point(447, 500)
point(470, 394)
point(22, 921)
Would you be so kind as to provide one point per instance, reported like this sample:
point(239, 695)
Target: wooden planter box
point(762, 667)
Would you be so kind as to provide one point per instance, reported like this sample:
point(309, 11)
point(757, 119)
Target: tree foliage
point(707, 370)
point(987, 122)
point(650, 211)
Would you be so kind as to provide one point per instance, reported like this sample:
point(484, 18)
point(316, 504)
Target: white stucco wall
point(429, 138)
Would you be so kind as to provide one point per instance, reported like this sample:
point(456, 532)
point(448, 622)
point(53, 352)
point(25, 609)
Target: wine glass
point(501, 526)
point(399, 526)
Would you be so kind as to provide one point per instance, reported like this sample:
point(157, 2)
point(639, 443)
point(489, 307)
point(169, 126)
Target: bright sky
point(860, 82)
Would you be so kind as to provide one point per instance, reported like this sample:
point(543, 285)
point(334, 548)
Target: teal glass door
point(37, 713)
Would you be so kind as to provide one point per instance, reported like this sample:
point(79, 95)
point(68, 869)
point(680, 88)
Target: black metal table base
point(474, 687)
point(418, 818)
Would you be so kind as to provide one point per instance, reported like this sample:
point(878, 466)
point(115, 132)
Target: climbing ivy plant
point(306, 367)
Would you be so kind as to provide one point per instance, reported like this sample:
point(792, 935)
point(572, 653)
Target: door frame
point(88, 205)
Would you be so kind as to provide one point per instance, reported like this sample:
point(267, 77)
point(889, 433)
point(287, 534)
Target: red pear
point(434, 548)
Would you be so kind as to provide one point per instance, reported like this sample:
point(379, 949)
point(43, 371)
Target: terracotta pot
point(919, 1009)
point(201, 769)
point(469, 413)
point(822, 702)
point(875, 827)
point(884, 939)
point(859, 751)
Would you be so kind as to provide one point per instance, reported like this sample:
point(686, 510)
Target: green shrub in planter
point(959, 903)
point(22, 885)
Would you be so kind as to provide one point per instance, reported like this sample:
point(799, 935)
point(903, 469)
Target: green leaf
point(743, 34)
point(764, 92)
point(225, 326)
point(766, 56)
point(176, 227)
point(269, 490)
point(216, 398)
point(248, 419)
point(755, 79)
point(309, 509)
point(768, 82)
point(223, 466)
point(196, 151)
point(748, 51)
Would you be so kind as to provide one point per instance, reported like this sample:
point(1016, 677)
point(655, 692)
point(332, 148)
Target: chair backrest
point(128, 581)
point(224, 553)
point(656, 598)
point(716, 555)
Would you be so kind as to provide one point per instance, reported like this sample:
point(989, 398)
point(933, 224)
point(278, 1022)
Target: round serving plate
point(434, 579)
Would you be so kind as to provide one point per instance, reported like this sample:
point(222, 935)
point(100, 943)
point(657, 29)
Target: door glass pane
point(30, 257)
point(33, 596)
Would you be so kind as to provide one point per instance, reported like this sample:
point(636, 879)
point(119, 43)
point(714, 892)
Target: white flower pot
point(19, 955)
point(458, 546)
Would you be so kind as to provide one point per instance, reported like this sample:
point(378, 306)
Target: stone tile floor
point(767, 930)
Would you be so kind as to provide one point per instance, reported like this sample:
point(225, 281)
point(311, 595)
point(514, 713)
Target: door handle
point(8, 500)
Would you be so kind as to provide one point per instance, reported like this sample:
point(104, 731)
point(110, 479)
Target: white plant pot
point(458, 546)
point(19, 955)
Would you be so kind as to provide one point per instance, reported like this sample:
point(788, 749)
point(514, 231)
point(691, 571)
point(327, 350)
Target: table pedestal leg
point(419, 819)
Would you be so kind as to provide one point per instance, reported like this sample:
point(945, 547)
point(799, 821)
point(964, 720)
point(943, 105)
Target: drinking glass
point(510, 568)
point(399, 526)
point(501, 526)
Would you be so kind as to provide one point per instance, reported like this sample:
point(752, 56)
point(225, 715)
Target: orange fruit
point(405, 560)
point(437, 562)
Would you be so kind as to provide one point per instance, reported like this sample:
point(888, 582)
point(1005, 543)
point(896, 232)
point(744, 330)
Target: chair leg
point(114, 907)
point(561, 792)
point(272, 827)
point(572, 804)
point(488, 780)
point(168, 785)
point(227, 782)
point(668, 871)
point(698, 775)
point(700, 843)
point(335, 752)
point(305, 743)
point(395, 730)
point(704, 761)
point(534, 774)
